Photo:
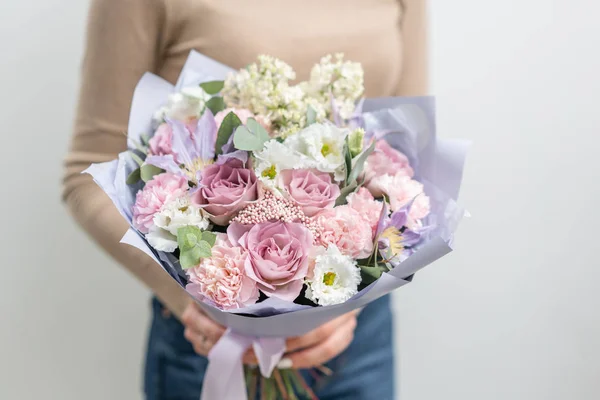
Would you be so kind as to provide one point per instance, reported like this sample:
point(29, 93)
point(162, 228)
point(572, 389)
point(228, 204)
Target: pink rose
point(401, 189)
point(243, 114)
point(221, 279)
point(312, 190)
point(225, 189)
point(158, 191)
point(161, 144)
point(344, 227)
point(278, 255)
point(385, 160)
point(366, 205)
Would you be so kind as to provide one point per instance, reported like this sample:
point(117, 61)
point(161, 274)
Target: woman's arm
point(124, 40)
point(414, 26)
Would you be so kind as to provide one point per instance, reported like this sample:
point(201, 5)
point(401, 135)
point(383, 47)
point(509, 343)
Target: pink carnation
point(401, 189)
point(344, 227)
point(243, 114)
point(366, 205)
point(312, 190)
point(221, 280)
point(385, 160)
point(156, 193)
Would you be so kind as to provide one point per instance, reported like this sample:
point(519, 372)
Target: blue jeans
point(365, 371)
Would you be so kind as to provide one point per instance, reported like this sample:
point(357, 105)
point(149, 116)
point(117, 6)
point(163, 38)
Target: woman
point(125, 39)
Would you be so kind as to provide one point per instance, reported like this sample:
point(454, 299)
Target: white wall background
point(512, 314)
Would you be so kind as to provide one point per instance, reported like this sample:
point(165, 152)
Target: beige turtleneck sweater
point(126, 38)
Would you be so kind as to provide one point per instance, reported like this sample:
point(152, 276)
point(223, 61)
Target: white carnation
point(323, 144)
point(172, 216)
point(335, 278)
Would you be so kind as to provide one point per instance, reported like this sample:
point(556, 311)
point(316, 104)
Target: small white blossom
point(172, 216)
point(274, 158)
point(323, 144)
point(184, 105)
point(335, 278)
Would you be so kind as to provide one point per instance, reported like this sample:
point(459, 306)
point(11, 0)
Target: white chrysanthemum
point(172, 216)
point(323, 144)
point(185, 105)
point(335, 278)
point(344, 80)
point(274, 158)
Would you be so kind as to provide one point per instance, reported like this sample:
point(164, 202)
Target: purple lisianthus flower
point(395, 240)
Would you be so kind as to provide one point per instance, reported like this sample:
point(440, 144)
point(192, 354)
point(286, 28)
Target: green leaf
point(257, 129)
point(134, 177)
point(344, 192)
point(148, 171)
point(228, 126)
point(184, 237)
point(209, 237)
point(136, 158)
point(145, 139)
point(215, 105)
point(355, 141)
point(311, 116)
point(371, 274)
point(192, 257)
point(347, 160)
point(212, 87)
point(360, 163)
point(243, 139)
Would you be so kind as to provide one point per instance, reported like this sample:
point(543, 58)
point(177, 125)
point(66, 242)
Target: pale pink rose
point(243, 114)
point(312, 190)
point(158, 191)
point(278, 255)
point(344, 227)
point(385, 160)
point(369, 209)
point(161, 144)
point(225, 189)
point(221, 279)
point(401, 189)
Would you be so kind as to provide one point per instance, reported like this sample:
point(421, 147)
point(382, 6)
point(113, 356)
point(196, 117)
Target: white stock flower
point(172, 216)
point(323, 144)
point(184, 105)
point(335, 278)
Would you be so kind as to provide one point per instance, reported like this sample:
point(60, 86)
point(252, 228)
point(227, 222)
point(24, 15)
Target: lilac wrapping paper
point(408, 125)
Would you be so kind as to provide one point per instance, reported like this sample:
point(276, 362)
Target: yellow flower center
point(395, 239)
point(197, 165)
point(270, 172)
point(326, 150)
point(329, 278)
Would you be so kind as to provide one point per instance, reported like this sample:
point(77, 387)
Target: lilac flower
point(395, 240)
point(193, 150)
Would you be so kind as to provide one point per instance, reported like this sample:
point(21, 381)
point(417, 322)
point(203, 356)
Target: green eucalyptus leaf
point(192, 257)
point(344, 192)
point(136, 158)
point(134, 177)
point(311, 116)
point(188, 237)
point(209, 237)
point(257, 129)
point(228, 126)
point(359, 164)
point(148, 171)
point(215, 105)
point(243, 139)
point(212, 87)
point(355, 142)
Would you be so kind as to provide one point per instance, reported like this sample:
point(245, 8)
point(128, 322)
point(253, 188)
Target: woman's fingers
point(317, 335)
point(319, 354)
point(200, 330)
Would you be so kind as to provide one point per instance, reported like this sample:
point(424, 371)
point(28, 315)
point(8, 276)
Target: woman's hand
point(310, 350)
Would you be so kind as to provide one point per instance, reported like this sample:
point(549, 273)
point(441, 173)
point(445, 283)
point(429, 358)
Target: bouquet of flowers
point(280, 206)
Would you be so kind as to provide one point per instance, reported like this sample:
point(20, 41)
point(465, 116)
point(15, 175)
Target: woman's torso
point(234, 32)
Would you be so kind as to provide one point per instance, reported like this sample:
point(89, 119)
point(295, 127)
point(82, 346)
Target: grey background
point(512, 314)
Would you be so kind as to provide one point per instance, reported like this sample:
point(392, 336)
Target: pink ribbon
point(224, 378)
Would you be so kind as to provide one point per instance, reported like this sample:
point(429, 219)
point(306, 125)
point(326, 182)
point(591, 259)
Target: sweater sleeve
point(414, 26)
point(123, 41)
